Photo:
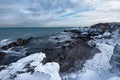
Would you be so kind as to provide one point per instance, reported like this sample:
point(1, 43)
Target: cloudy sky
point(57, 13)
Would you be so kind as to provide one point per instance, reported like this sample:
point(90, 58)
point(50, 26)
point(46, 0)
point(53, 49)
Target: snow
point(100, 61)
point(50, 68)
point(114, 78)
point(49, 71)
point(89, 75)
point(107, 34)
point(98, 68)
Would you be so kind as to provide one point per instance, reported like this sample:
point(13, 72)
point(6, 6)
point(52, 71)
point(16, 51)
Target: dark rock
point(2, 54)
point(66, 30)
point(75, 31)
point(12, 76)
point(20, 72)
point(68, 55)
point(19, 42)
point(44, 61)
point(56, 38)
point(30, 69)
point(5, 47)
point(2, 67)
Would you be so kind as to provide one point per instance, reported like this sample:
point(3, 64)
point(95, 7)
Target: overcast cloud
point(57, 13)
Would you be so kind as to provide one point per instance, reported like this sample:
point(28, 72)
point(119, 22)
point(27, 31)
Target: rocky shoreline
point(70, 48)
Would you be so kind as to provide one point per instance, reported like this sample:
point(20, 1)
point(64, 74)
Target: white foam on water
point(4, 42)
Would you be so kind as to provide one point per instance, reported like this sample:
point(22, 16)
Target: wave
point(5, 42)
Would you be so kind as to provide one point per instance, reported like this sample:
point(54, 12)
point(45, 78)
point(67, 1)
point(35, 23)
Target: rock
point(66, 30)
point(84, 34)
point(56, 38)
point(107, 35)
point(115, 59)
point(75, 31)
point(91, 43)
point(2, 67)
point(19, 42)
point(2, 54)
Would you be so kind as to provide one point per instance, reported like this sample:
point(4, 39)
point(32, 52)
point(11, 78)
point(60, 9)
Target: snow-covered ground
point(98, 68)
point(31, 68)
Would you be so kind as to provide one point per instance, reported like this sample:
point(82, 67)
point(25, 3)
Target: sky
point(57, 13)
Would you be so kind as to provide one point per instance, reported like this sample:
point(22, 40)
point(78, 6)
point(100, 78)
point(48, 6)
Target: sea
point(15, 33)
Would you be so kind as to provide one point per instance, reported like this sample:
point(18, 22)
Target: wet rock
point(2, 67)
point(19, 42)
point(2, 54)
point(56, 38)
point(67, 56)
point(115, 59)
point(75, 31)
point(66, 30)
point(67, 41)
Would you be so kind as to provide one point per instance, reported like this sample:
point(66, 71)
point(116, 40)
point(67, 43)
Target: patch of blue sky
point(75, 13)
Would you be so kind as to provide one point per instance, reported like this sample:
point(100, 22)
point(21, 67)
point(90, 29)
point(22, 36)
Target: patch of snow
point(114, 78)
point(31, 68)
point(107, 34)
point(89, 75)
point(100, 61)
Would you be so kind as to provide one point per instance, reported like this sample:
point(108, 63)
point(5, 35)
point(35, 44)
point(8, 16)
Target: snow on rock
point(114, 78)
point(89, 75)
point(31, 68)
point(98, 68)
point(114, 61)
point(107, 35)
point(100, 61)
point(91, 43)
